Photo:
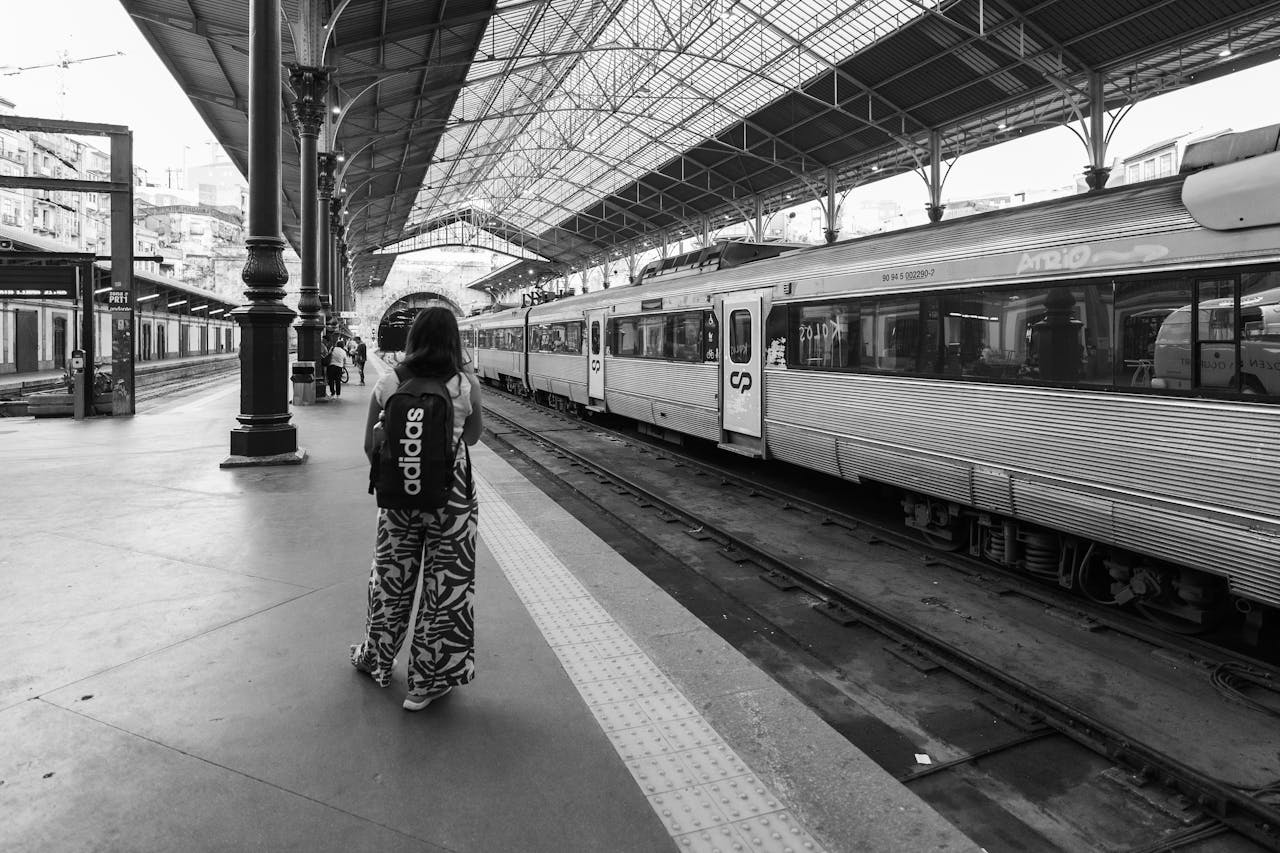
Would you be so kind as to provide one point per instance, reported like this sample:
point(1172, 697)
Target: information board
point(23, 282)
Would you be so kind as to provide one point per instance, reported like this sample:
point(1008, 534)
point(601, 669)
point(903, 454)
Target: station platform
point(177, 678)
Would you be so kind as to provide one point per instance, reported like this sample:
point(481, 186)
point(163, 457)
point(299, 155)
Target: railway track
point(1041, 708)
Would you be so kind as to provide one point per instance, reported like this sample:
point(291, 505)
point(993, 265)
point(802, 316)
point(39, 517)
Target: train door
point(595, 360)
point(60, 342)
point(26, 344)
point(741, 391)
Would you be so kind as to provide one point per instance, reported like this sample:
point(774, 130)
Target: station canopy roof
point(576, 130)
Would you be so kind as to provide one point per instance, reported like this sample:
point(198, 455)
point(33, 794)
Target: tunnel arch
point(394, 322)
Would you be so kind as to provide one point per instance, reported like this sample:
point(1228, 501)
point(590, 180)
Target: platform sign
point(37, 282)
point(118, 300)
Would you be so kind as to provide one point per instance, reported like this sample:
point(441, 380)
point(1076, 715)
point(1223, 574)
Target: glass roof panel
point(568, 101)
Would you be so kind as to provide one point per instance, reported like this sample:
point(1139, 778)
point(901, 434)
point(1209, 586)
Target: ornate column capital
point(309, 86)
point(328, 166)
point(335, 215)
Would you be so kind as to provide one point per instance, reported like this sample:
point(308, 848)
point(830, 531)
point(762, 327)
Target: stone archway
point(394, 320)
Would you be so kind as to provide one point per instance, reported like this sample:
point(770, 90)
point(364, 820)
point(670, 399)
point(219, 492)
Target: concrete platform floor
point(176, 673)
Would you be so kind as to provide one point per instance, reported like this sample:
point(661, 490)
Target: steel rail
point(1250, 817)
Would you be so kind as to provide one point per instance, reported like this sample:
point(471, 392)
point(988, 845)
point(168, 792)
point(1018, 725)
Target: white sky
point(137, 91)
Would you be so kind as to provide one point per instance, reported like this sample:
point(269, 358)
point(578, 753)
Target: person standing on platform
point(337, 361)
point(360, 356)
point(442, 649)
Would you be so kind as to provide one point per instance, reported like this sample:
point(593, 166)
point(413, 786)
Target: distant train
point(172, 319)
point(1030, 381)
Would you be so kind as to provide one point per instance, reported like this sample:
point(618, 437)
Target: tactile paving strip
point(705, 795)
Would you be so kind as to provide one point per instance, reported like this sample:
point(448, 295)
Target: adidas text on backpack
point(413, 464)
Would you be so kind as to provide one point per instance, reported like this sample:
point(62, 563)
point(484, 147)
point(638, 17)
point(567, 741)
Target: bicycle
point(345, 375)
point(102, 384)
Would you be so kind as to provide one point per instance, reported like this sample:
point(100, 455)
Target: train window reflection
point(595, 337)
point(891, 334)
point(1260, 333)
point(655, 342)
point(688, 336)
point(824, 335)
point(1215, 335)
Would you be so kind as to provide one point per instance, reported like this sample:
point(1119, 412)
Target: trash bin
point(304, 385)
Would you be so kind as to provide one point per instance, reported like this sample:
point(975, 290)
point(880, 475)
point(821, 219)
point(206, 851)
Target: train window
point(595, 337)
point(822, 335)
point(572, 342)
point(1260, 333)
point(1153, 328)
point(1215, 335)
point(980, 333)
point(655, 336)
point(688, 336)
point(740, 336)
point(891, 333)
point(624, 336)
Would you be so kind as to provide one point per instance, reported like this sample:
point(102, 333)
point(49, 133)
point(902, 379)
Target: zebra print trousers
point(439, 545)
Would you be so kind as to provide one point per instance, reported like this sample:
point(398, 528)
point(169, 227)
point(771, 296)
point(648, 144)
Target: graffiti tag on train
point(741, 380)
point(825, 332)
point(918, 274)
point(1075, 257)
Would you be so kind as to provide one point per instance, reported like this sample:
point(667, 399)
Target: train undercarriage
point(1177, 598)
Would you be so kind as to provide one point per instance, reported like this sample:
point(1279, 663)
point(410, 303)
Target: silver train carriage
point(1085, 389)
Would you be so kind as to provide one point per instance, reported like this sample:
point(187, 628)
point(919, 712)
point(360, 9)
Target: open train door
point(595, 360)
point(741, 385)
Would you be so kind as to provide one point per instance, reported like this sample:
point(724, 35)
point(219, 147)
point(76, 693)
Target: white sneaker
point(418, 701)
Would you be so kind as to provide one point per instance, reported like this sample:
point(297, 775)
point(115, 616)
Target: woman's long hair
point(433, 346)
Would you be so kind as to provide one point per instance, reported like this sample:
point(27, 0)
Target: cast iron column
point(265, 435)
point(318, 251)
point(1098, 172)
point(308, 108)
point(336, 250)
point(326, 286)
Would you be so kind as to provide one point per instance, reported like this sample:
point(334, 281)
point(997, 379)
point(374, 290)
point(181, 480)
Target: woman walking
point(337, 362)
point(436, 545)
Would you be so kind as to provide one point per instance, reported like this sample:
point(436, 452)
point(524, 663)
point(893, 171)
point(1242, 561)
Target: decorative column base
point(1096, 177)
point(265, 435)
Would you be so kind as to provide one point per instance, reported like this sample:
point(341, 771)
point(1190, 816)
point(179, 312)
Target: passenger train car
point(1084, 389)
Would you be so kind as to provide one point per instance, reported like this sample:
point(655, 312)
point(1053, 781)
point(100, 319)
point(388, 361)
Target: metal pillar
point(935, 207)
point(321, 249)
point(265, 435)
point(336, 249)
point(326, 287)
point(122, 299)
point(833, 209)
point(308, 113)
point(1098, 172)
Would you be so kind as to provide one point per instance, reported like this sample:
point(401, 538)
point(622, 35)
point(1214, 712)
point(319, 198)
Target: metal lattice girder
point(584, 126)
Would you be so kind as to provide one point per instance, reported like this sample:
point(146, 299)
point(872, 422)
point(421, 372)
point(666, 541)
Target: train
point(1083, 389)
point(172, 318)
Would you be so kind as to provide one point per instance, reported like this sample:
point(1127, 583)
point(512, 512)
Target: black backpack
point(413, 463)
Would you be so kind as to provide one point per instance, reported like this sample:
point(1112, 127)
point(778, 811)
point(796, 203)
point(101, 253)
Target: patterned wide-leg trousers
point(441, 546)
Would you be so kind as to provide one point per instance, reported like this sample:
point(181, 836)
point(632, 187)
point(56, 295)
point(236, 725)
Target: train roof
point(1136, 216)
